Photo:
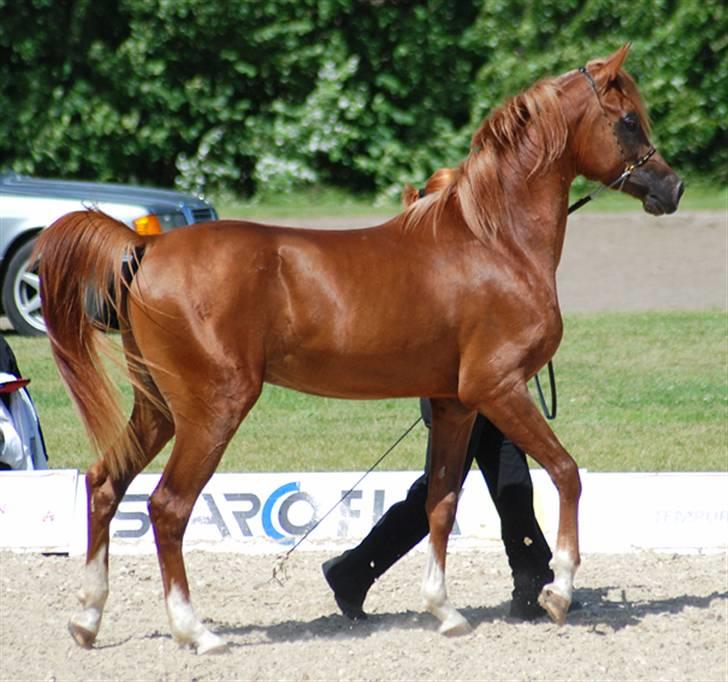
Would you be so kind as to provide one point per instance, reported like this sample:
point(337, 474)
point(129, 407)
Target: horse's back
point(246, 257)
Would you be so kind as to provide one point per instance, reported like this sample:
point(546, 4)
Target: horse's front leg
point(514, 413)
point(451, 426)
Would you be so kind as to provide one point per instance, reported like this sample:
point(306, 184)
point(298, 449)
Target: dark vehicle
point(28, 205)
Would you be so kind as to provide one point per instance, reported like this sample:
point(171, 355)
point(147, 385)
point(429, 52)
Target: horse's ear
point(610, 67)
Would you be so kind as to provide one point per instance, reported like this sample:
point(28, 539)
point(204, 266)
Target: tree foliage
point(264, 95)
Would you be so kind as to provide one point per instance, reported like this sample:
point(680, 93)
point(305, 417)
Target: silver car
point(28, 205)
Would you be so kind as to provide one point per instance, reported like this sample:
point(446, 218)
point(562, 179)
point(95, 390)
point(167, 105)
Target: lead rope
point(279, 568)
point(551, 414)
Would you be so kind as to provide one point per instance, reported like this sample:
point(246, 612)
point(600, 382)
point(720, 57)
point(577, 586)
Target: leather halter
point(629, 168)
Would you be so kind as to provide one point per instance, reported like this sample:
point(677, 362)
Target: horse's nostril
point(679, 191)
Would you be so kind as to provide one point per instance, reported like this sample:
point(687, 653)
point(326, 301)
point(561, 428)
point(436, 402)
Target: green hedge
point(263, 95)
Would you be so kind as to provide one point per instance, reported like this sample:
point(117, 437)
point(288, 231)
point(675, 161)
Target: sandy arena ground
point(645, 616)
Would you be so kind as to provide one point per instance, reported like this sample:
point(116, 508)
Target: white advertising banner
point(268, 513)
point(678, 512)
point(37, 509)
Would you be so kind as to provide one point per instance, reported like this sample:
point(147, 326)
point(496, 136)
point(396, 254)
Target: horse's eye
point(631, 121)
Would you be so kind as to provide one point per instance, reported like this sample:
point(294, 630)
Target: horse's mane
point(520, 139)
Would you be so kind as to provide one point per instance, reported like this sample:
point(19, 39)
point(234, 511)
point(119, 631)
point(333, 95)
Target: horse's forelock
point(627, 86)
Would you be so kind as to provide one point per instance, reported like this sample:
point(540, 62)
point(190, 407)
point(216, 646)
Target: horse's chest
point(545, 337)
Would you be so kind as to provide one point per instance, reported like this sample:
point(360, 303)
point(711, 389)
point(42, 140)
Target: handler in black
point(508, 479)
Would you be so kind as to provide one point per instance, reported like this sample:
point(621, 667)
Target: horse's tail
point(81, 259)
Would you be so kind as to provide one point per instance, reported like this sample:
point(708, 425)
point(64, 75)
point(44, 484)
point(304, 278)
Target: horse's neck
point(538, 225)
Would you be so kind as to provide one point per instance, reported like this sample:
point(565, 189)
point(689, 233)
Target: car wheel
point(21, 294)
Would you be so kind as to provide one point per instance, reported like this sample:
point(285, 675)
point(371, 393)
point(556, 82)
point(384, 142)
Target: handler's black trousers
point(405, 523)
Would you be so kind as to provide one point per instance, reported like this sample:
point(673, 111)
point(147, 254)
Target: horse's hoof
point(211, 644)
point(81, 635)
point(556, 605)
point(455, 625)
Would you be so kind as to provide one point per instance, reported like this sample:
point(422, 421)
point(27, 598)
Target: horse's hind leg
point(203, 429)
point(104, 492)
point(451, 426)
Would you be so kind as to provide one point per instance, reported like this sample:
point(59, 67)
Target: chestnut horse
point(455, 299)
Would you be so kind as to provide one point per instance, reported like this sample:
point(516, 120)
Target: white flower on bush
point(276, 174)
point(319, 125)
point(210, 165)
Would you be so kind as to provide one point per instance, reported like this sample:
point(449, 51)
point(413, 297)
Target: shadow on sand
point(598, 611)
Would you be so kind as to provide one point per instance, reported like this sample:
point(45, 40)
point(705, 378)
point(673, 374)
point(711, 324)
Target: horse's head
point(612, 143)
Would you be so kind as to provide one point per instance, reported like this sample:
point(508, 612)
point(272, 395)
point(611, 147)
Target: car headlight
point(158, 223)
point(147, 224)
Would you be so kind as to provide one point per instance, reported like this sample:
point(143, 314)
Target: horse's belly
point(363, 378)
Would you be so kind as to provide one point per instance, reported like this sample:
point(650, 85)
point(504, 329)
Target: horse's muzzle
point(657, 186)
point(660, 203)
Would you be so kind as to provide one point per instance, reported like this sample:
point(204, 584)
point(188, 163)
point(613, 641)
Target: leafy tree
point(366, 94)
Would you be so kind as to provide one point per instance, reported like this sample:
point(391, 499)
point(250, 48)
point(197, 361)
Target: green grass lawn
point(306, 203)
point(637, 392)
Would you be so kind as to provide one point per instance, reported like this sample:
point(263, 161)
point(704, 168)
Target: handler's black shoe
point(349, 597)
point(523, 608)
point(527, 585)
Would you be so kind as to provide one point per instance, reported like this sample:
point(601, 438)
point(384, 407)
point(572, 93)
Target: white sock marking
point(94, 592)
point(433, 585)
point(186, 627)
point(564, 569)
point(434, 592)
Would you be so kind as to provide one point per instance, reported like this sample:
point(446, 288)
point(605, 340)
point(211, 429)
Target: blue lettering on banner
point(283, 513)
point(286, 513)
point(275, 515)
point(270, 531)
